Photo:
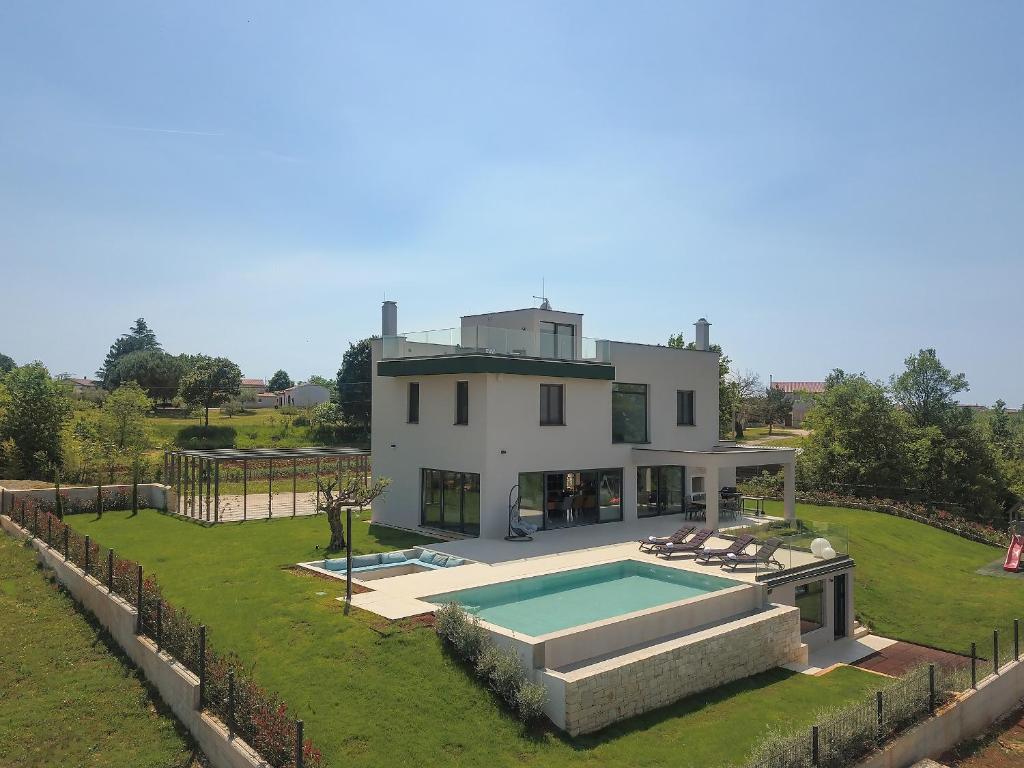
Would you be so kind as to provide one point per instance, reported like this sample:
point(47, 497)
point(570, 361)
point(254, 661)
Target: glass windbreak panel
point(471, 503)
point(629, 413)
point(610, 495)
point(810, 599)
point(557, 340)
point(432, 492)
point(531, 498)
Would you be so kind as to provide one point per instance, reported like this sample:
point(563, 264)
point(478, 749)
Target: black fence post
point(814, 745)
point(202, 665)
point(878, 716)
point(995, 651)
point(974, 665)
point(87, 542)
point(138, 601)
point(65, 542)
point(231, 702)
point(110, 571)
point(931, 688)
point(298, 743)
point(1016, 639)
point(159, 623)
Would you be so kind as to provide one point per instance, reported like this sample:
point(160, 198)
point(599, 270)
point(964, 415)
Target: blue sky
point(830, 184)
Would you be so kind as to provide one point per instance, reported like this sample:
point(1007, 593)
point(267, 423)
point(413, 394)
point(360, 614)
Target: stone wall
point(637, 682)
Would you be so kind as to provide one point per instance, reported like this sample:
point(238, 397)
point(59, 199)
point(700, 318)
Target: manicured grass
point(779, 436)
point(378, 693)
point(67, 699)
point(918, 583)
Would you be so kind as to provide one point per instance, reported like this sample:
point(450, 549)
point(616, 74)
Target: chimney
point(389, 319)
point(703, 335)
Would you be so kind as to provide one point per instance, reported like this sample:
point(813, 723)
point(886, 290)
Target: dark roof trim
point(475, 363)
point(802, 572)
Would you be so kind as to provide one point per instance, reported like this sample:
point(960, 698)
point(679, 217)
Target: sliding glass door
point(659, 490)
point(451, 500)
point(567, 499)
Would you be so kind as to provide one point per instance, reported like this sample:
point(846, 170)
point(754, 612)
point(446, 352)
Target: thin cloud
point(174, 131)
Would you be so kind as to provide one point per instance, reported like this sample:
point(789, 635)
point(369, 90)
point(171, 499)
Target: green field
point(68, 699)
point(369, 689)
point(779, 436)
point(918, 583)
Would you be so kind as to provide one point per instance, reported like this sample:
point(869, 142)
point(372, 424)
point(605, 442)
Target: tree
point(728, 398)
point(331, 385)
point(747, 402)
point(354, 384)
point(279, 381)
point(34, 410)
point(927, 390)
point(122, 432)
point(775, 407)
point(7, 364)
point(158, 373)
point(352, 491)
point(858, 438)
point(139, 339)
point(210, 382)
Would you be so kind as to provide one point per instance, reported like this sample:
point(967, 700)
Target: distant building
point(82, 386)
point(803, 393)
point(299, 396)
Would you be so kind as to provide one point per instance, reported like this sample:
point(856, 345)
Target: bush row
point(259, 717)
point(499, 666)
point(112, 500)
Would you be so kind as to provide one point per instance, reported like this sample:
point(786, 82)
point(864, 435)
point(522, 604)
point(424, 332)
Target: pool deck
point(496, 561)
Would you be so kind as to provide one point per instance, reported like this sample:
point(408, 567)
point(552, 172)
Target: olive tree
point(352, 490)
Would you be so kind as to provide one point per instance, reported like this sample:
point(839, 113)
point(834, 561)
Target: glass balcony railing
point(486, 340)
point(804, 542)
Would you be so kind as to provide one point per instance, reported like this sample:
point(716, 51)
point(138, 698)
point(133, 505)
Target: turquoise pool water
point(542, 604)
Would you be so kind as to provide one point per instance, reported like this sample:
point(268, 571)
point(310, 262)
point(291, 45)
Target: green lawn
point(375, 693)
point(918, 583)
point(67, 699)
point(779, 436)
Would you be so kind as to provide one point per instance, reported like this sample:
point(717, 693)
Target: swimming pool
point(542, 604)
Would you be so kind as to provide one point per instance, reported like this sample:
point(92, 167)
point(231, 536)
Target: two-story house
point(520, 405)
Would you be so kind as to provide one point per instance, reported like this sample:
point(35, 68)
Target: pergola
point(229, 484)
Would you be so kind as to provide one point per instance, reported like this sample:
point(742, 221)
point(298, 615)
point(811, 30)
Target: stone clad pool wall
point(589, 698)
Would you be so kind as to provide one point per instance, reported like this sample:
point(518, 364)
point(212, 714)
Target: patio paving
point(848, 651)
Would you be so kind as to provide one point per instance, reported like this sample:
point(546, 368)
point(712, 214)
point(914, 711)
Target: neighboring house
point(803, 393)
point(82, 386)
point(302, 396)
point(520, 404)
point(252, 387)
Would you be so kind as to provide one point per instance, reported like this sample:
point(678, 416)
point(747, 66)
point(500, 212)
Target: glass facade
point(659, 490)
point(629, 413)
point(450, 500)
point(810, 599)
point(565, 499)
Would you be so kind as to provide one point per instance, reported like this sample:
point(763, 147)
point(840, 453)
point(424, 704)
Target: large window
point(810, 599)
point(566, 499)
point(451, 500)
point(629, 413)
point(558, 340)
point(414, 402)
point(684, 407)
point(659, 491)
point(462, 402)
point(552, 404)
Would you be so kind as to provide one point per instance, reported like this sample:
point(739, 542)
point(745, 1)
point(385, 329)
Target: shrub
point(300, 421)
point(530, 700)
point(449, 621)
point(288, 410)
point(507, 675)
point(205, 437)
point(233, 408)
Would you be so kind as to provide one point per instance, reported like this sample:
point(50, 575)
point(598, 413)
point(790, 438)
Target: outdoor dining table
point(758, 509)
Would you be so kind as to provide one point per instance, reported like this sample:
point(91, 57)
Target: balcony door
point(558, 340)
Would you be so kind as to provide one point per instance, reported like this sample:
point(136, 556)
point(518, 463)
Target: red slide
point(1012, 562)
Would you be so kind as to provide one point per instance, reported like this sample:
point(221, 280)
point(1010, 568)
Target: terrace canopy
point(728, 457)
point(229, 484)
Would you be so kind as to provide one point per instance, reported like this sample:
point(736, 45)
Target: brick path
point(900, 657)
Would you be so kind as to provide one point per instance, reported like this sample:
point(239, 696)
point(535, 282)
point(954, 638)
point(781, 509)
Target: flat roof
point(237, 454)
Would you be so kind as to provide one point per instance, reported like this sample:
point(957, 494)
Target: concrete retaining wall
point(178, 687)
point(965, 718)
point(150, 494)
point(589, 698)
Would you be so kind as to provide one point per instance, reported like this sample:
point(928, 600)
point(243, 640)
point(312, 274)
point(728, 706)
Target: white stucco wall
point(504, 436)
point(785, 594)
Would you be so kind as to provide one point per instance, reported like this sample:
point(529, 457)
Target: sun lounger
point(687, 547)
point(736, 548)
point(676, 538)
point(765, 554)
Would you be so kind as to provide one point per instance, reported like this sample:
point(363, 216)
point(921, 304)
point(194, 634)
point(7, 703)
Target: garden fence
point(843, 736)
point(258, 717)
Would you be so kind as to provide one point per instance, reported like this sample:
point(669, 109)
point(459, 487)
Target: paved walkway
point(848, 651)
point(900, 657)
point(234, 508)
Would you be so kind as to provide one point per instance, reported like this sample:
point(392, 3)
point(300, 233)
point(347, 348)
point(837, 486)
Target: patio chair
point(765, 554)
point(676, 538)
point(672, 548)
point(736, 548)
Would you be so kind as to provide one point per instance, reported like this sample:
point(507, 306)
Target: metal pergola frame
point(187, 471)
